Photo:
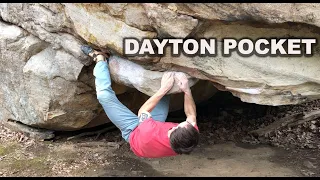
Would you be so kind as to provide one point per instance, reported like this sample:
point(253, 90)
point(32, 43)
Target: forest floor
point(226, 147)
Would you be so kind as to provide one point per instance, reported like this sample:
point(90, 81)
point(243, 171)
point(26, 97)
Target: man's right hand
point(167, 81)
point(182, 81)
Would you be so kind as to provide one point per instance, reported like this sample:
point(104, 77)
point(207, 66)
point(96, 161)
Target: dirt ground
point(225, 148)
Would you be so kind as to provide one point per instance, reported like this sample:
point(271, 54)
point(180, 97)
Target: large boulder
point(39, 84)
point(49, 88)
point(100, 28)
point(164, 19)
point(258, 12)
point(261, 80)
point(47, 81)
point(48, 22)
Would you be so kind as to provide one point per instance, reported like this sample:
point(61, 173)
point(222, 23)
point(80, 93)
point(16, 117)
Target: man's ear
point(170, 131)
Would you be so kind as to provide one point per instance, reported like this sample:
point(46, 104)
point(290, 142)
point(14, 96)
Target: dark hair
point(184, 139)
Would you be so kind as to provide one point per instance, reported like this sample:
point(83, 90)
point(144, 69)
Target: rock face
point(47, 81)
point(261, 80)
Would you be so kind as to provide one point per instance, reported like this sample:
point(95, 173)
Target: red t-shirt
point(150, 139)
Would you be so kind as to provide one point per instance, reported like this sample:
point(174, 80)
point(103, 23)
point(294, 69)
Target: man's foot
point(97, 56)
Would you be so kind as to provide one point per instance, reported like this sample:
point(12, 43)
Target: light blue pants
point(119, 114)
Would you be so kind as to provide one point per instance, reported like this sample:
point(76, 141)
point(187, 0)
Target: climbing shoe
point(88, 49)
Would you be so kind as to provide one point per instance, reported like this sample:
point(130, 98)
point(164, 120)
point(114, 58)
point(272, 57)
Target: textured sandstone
point(47, 81)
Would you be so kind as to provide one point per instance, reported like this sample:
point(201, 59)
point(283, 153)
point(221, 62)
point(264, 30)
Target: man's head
point(183, 138)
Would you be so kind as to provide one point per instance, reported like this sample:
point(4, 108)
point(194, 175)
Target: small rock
point(307, 173)
point(224, 113)
point(113, 144)
point(239, 111)
point(309, 165)
point(136, 172)
point(224, 130)
point(155, 162)
point(312, 127)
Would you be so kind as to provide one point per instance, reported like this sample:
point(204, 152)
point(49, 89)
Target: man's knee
point(103, 96)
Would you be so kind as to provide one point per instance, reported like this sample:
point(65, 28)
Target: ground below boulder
point(47, 81)
point(224, 144)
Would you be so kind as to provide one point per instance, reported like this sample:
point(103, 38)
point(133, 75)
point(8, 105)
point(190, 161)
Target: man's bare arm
point(151, 103)
point(190, 107)
point(166, 84)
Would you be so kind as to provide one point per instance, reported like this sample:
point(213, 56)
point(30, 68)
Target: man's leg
point(160, 112)
point(119, 114)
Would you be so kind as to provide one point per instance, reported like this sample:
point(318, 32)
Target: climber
point(147, 133)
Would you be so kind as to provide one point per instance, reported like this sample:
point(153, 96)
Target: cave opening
point(224, 117)
point(221, 104)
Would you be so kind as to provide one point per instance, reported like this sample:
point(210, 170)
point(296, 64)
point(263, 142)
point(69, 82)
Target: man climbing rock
point(147, 133)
